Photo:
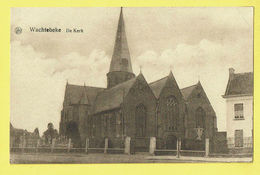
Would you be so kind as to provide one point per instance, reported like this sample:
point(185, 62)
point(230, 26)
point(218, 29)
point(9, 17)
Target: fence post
point(127, 145)
point(69, 145)
point(206, 147)
point(106, 145)
point(23, 144)
point(152, 145)
point(178, 149)
point(87, 144)
point(52, 144)
point(37, 145)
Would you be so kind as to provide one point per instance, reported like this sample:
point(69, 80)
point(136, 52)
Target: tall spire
point(120, 66)
point(121, 60)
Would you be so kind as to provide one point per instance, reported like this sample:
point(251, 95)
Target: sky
point(197, 44)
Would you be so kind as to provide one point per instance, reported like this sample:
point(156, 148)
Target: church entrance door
point(171, 142)
point(72, 132)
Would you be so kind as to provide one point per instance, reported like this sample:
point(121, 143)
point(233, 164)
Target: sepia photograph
point(131, 85)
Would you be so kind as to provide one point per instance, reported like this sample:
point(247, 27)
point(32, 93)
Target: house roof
point(240, 84)
point(18, 132)
point(187, 91)
point(158, 85)
point(113, 97)
point(76, 94)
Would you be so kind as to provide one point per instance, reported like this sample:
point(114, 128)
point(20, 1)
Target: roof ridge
point(85, 86)
point(189, 86)
point(243, 73)
point(120, 84)
point(241, 83)
point(158, 80)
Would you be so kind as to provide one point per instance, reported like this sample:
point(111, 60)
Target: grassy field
point(73, 158)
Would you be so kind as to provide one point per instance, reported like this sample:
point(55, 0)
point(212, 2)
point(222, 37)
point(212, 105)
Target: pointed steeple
point(120, 67)
point(171, 74)
point(67, 100)
point(121, 60)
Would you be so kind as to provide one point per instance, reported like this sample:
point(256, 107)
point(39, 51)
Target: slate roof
point(113, 97)
point(121, 60)
point(81, 94)
point(15, 130)
point(187, 91)
point(240, 84)
point(18, 132)
point(158, 85)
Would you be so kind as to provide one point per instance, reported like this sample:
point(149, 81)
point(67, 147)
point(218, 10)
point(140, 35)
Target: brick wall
point(197, 99)
point(140, 93)
point(169, 90)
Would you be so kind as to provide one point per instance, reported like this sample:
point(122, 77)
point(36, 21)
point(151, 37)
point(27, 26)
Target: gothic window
point(89, 124)
point(105, 120)
point(113, 124)
point(200, 116)
point(172, 113)
point(118, 123)
point(98, 125)
point(140, 120)
point(95, 126)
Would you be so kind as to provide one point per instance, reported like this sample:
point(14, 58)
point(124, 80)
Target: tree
point(50, 133)
point(36, 132)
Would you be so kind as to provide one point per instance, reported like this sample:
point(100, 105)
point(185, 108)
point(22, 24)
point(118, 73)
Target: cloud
point(38, 83)
point(206, 61)
point(197, 43)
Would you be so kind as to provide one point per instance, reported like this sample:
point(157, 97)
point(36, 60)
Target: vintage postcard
point(131, 85)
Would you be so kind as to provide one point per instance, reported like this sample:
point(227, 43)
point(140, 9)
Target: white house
point(239, 119)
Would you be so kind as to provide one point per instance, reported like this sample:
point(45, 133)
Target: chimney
point(231, 73)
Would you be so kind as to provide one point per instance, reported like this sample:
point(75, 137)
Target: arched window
point(172, 115)
point(140, 120)
point(200, 117)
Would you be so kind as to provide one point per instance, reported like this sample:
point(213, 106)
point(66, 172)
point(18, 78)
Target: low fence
point(92, 146)
point(184, 152)
point(246, 143)
point(115, 145)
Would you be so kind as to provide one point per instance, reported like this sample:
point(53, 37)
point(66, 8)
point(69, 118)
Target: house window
point(239, 111)
point(239, 138)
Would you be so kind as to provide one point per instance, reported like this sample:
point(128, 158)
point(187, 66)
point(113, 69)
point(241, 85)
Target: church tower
point(120, 67)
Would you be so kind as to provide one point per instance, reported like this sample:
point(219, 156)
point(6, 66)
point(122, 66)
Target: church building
point(131, 107)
